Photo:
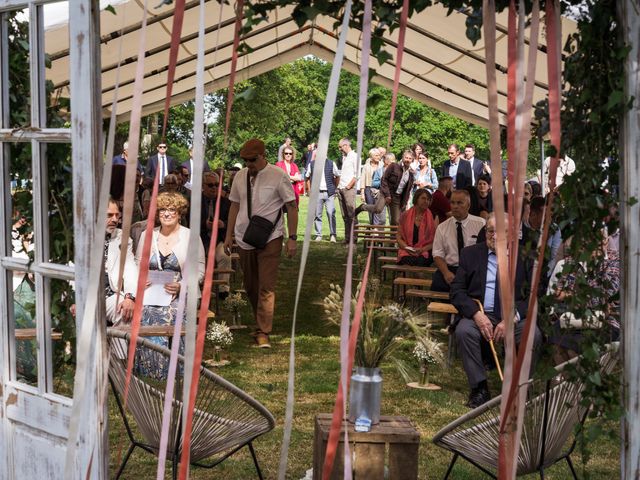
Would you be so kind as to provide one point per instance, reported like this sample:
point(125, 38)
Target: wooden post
point(91, 454)
point(630, 261)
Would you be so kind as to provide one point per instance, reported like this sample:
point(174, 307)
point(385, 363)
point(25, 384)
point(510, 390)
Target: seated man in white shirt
point(119, 306)
point(458, 231)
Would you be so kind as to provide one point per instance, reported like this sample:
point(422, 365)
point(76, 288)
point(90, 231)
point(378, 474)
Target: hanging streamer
point(232, 74)
point(346, 352)
point(404, 15)
point(338, 409)
point(191, 384)
point(176, 37)
point(321, 156)
point(514, 397)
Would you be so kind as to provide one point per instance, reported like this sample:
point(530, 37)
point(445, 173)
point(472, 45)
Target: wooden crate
point(393, 442)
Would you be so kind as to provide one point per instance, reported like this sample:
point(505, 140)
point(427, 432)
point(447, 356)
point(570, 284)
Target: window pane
point(60, 202)
point(24, 311)
point(63, 324)
point(19, 71)
point(56, 47)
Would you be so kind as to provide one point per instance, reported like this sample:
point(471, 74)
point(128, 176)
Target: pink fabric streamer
point(339, 405)
point(404, 16)
point(171, 380)
point(232, 74)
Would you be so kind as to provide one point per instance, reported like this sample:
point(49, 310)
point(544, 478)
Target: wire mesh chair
point(550, 418)
point(225, 418)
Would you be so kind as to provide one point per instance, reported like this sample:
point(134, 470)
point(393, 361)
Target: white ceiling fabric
point(441, 67)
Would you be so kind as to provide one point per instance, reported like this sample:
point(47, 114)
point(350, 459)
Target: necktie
point(460, 238)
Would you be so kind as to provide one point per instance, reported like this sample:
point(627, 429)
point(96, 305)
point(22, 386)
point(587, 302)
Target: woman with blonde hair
point(169, 250)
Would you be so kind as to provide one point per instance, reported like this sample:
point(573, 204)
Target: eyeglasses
point(212, 185)
point(250, 159)
point(162, 146)
point(167, 212)
point(288, 153)
point(490, 232)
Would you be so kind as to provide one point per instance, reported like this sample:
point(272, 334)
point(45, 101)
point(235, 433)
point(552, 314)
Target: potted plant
point(234, 303)
point(220, 336)
point(382, 328)
point(428, 352)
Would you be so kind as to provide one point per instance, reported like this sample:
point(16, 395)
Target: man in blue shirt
point(477, 280)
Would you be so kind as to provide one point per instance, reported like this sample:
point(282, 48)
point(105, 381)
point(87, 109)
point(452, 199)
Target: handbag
point(259, 229)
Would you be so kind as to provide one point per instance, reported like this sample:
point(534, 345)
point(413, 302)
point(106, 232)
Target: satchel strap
point(250, 202)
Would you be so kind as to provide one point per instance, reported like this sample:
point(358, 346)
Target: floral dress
point(154, 365)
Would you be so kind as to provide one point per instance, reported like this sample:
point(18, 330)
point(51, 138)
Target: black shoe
point(478, 396)
point(223, 295)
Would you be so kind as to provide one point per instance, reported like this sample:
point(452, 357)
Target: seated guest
point(457, 232)
point(169, 250)
point(602, 308)
point(440, 205)
point(483, 197)
point(119, 306)
point(416, 231)
point(210, 183)
point(477, 279)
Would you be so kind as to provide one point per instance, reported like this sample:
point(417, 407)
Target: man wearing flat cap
point(261, 190)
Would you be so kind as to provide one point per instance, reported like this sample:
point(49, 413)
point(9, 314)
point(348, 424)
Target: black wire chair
point(225, 419)
point(550, 418)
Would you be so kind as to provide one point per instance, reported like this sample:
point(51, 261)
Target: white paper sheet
point(155, 294)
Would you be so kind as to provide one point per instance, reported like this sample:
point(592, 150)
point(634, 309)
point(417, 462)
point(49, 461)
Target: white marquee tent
point(441, 67)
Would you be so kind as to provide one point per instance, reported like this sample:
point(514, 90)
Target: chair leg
point(255, 460)
point(126, 459)
point(453, 461)
point(174, 466)
point(573, 470)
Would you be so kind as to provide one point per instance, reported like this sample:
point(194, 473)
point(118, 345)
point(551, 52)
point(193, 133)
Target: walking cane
point(493, 348)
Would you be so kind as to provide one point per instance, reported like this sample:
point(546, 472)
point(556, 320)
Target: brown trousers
point(260, 275)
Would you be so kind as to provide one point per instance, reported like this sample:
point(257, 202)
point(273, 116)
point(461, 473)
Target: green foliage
point(289, 101)
point(588, 200)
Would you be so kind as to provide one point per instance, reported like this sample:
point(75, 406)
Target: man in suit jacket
point(478, 166)
point(119, 307)
point(161, 160)
point(477, 278)
point(189, 165)
point(457, 168)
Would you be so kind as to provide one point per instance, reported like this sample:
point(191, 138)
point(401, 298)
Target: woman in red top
point(416, 230)
point(288, 164)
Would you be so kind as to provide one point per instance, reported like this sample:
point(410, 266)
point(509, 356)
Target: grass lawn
point(263, 374)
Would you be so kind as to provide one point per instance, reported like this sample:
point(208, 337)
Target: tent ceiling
point(440, 68)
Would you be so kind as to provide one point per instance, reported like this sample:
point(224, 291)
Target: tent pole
point(630, 229)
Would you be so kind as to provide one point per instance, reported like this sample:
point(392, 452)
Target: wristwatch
point(293, 237)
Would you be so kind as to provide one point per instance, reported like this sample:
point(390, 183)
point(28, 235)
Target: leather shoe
point(478, 396)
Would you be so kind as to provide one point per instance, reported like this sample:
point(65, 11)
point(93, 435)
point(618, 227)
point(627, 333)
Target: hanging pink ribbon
point(176, 37)
point(338, 408)
point(234, 63)
point(202, 331)
point(404, 16)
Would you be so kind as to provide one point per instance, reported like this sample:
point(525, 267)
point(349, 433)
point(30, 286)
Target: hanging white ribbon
point(321, 156)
